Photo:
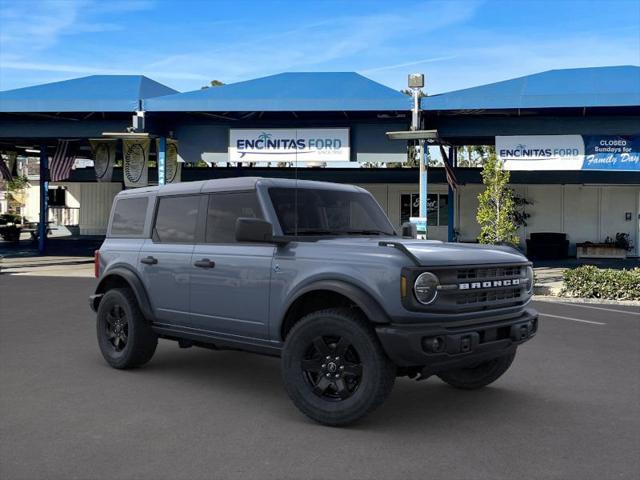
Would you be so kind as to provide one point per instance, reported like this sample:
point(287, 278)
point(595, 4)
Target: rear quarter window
point(128, 217)
point(176, 219)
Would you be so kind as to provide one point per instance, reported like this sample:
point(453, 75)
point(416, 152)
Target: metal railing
point(64, 215)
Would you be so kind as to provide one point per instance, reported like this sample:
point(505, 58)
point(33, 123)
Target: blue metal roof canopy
point(617, 86)
point(95, 93)
point(288, 92)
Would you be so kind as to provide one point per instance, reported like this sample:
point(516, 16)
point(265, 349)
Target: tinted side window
point(129, 215)
point(224, 209)
point(176, 219)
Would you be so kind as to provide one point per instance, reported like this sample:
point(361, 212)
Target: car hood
point(436, 253)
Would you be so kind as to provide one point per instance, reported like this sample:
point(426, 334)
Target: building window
point(57, 197)
point(437, 208)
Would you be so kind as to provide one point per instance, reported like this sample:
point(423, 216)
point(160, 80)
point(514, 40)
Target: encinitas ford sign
point(289, 145)
point(610, 152)
point(569, 152)
point(541, 152)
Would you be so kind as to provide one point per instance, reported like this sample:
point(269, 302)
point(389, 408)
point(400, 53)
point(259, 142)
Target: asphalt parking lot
point(568, 408)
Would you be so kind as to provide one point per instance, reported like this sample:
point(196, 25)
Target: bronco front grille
point(479, 288)
point(486, 273)
point(489, 296)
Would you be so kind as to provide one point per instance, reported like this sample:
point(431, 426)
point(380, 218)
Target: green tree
point(213, 83)
point(497, 208)
point(474, 155)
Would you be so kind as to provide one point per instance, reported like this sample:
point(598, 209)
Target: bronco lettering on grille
point(489, 284)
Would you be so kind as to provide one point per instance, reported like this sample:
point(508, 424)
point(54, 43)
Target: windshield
point(328, 212)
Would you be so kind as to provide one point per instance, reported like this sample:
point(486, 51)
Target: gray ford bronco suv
point(314, 273)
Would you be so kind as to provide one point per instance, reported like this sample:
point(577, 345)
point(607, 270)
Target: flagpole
point(453, 154)
point(44, 199)
point(416, 82)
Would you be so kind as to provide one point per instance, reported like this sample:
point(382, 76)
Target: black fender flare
point(363, 300)
point(134, 282)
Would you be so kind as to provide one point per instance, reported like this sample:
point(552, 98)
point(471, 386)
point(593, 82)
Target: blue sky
point(184, 44)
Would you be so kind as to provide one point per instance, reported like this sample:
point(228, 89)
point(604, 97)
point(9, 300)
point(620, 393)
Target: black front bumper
point(441, 347)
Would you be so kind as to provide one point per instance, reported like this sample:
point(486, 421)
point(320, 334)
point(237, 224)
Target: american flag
point(451, 175)
point(62, 161)
point(4, 170)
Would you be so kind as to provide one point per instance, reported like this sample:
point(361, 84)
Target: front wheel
point(334, 368)
point(479, 375)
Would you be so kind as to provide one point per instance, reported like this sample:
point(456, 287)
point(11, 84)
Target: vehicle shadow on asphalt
point(410, 406)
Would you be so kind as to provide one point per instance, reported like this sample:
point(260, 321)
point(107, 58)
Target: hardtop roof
point(234, 184)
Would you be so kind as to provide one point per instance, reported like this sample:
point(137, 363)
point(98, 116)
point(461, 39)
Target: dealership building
point(571, 139)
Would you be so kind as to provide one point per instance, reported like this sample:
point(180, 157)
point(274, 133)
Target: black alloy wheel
point(125, 338)
point(117, 327)
point(332, 367)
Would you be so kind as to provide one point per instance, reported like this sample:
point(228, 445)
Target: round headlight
point(425, 288)
point(530, 279)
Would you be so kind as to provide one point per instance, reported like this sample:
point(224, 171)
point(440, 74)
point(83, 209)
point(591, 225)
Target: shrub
point(592, 282)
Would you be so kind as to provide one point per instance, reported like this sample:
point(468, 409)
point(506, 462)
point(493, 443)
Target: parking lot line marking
point(570, 318)
point(600, 308)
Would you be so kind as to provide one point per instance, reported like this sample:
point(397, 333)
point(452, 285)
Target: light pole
point(416, 83)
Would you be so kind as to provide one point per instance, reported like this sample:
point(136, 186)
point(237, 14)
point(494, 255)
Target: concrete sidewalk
point(48, 266)
point(548, 280)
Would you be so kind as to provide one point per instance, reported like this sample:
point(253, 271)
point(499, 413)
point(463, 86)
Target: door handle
point(149, 260)
point(204, 263)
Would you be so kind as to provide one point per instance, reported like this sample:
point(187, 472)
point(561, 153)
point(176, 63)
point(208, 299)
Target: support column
point(453, 154)
point(162, 160)
point(44, 199)
point(423, 186)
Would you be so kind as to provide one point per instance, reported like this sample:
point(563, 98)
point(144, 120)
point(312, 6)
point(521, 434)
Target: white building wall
point(93, 199)
point(584, 212)
point(615, 203)
point(95, 205)
point(580, 214)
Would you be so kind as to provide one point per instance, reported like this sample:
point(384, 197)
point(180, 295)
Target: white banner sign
point(541, 152)
point(136, 162)
point(104, 157)
point(173, 166)
point(289, 145)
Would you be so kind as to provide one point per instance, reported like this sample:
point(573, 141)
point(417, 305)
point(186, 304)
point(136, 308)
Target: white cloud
point(501, 57)
point(31, 27)
point(89, 70)
point(351, 41)
point(408, 64)
point(436, 37)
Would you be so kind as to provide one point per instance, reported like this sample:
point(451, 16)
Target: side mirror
point(253, 230)
point(409, 230)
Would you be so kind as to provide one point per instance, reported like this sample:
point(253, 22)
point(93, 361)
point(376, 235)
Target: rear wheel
point(479, 375)
point(334, 368)
point(125, 338)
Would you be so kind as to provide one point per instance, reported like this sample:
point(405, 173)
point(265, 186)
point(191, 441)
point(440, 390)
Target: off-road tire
point(480, 375)
point(377, 372)
point(141, 341)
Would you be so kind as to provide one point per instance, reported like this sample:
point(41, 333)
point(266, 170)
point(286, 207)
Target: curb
point(546, 290)
point(597, 301)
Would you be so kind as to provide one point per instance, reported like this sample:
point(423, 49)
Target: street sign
point(420, 223)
